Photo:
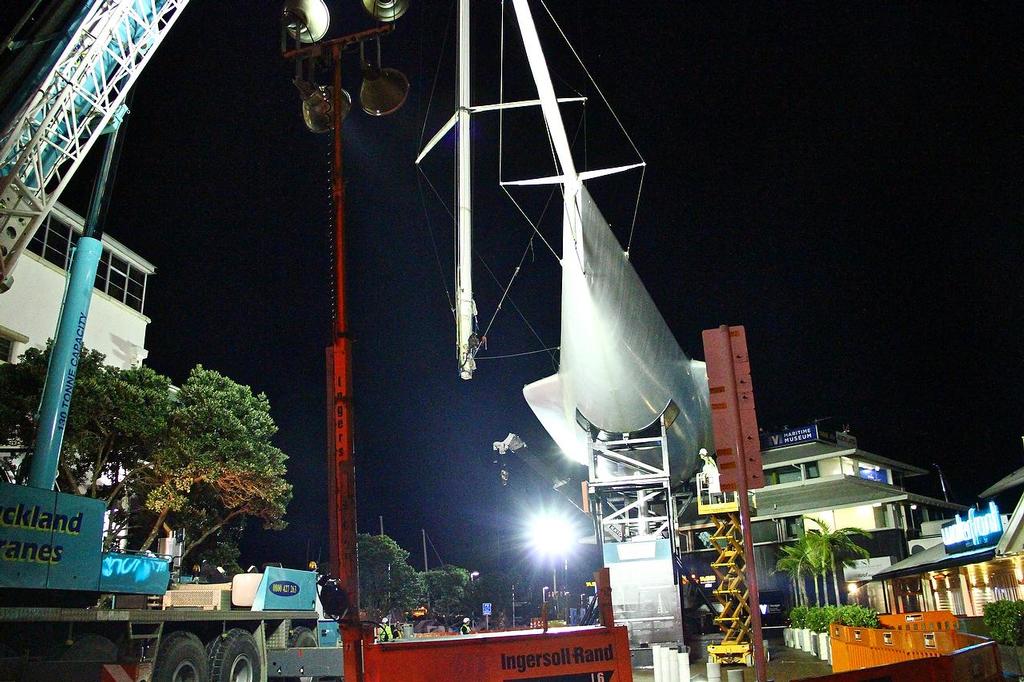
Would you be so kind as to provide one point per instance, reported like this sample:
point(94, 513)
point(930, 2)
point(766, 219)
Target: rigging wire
point(504, 294)
point(433, 244)
point(489, 271)
point(517, 355)
point(592, 81)
point(419, 182)
point(436, 553)
point(501, 141)
point(520, 312)
point(614, 116)
point(437, 71)
point(636, 209)
point(529, 243)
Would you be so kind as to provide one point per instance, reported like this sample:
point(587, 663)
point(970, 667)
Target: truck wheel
point(181, 658)
point(301, 637)
point(91, 647)
point(234, 657)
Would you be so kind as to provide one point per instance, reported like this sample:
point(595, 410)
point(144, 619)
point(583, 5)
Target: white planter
point(812, 641)
point(824, 646)
point(805, 639)
point(787, 636)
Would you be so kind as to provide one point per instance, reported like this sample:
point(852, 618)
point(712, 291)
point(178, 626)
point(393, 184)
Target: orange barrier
point(920, 620)
point(928, 636)
point(590, 653)
point(978, 662)
point(906, 636)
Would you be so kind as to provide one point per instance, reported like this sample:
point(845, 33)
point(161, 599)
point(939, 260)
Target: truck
point(69, 609)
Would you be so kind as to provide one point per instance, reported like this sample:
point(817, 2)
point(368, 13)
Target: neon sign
point(979, 529)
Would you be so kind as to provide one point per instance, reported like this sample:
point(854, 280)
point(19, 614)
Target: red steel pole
point(340, 451)
point(749, 564)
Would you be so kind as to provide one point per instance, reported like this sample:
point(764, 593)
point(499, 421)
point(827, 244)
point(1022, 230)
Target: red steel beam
point(341, 449)
point(737, 442)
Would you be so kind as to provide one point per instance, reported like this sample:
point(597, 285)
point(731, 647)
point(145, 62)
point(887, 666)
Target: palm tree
point(835, 548)
point(819, 560)
point(790, 565)
point(795, 560)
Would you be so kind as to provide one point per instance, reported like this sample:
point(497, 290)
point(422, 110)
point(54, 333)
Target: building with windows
point(974, 559)
point(812, 473)
point(117, 321)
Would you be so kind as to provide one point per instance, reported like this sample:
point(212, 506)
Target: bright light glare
point(552, 535)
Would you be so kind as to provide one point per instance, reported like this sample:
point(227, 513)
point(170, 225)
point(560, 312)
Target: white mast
point(466, 340)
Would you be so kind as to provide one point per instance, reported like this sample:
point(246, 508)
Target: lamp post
point(324, 108)
point(552, 537)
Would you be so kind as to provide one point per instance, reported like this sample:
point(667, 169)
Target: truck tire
point(91, 647)
point(234, 657)
point(181, 658)
point(301, 637)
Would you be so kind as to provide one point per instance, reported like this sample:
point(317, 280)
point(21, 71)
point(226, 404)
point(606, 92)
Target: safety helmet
point(465, 620)
point(384, 620)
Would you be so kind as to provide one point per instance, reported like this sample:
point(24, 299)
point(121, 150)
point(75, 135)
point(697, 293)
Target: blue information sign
point(486, 610)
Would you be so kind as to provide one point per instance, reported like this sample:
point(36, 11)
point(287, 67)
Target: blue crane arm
point(68, 107)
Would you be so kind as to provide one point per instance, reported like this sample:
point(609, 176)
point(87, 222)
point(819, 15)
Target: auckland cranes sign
point(51, 540)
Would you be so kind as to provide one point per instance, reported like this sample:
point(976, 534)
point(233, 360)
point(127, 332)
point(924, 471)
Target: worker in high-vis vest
point(464, 630)
point(384, 632)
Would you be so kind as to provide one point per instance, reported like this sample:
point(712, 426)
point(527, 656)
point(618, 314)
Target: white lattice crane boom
point(69, 109)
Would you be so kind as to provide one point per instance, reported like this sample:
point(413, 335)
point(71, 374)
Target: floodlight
point(306, 21)
point(552, 535)
point(385, 10)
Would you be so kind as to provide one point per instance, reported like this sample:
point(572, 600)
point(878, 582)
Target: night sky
point(845, 181)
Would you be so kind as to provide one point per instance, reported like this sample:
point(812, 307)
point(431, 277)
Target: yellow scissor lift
point(731, 588)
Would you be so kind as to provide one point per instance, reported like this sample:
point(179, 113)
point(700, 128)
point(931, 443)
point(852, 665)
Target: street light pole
point(341, 473)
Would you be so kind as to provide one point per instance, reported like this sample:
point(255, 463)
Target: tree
point(446, 587)
point(795, 561)
point(387, 583)
point(1005, 621)
point(815, 562)
point(116, 424)
point(837, 547)
point(218, 463)
point(200, 459)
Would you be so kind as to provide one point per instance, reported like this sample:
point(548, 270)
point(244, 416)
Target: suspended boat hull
point(621, 367)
